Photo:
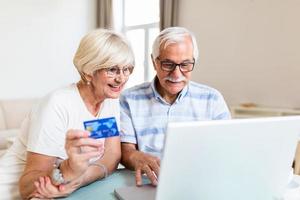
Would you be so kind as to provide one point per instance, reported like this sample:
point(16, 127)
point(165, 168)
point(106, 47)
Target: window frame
point(146, 27)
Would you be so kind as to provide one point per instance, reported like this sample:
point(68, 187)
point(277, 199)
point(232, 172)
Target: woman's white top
point(44, 131)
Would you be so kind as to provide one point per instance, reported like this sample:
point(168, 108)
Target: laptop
point(229, 160)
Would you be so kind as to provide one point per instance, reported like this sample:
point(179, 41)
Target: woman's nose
point(120, 77)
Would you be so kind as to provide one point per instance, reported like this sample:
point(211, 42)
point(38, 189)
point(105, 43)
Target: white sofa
point(12, 113)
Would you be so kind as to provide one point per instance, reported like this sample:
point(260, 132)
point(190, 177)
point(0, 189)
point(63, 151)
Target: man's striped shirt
point(145, 114)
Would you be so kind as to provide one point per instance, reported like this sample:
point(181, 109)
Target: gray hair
point(102, 48)
point(173, 35)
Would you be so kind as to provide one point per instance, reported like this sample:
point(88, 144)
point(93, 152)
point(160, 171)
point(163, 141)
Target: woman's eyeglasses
point(115, 70)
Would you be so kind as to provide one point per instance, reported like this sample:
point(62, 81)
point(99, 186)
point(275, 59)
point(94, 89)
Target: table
point(104, 189)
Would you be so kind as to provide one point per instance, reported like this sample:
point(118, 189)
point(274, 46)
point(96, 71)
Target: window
point(139, 21)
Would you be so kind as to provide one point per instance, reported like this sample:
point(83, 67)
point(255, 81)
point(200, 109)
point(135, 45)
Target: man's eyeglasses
point(115, 70)
point(169, 66)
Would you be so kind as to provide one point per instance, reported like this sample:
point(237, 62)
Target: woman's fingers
point(86, 156)
point(39, 185)
point(75, 134)
point(46, 189)
point(80, 150)
point(86, 142)
point(42, 186)
point(75, 144)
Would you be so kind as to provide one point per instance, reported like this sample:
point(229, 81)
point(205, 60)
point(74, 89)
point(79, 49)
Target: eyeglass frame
point(118, 72)
point(175, 65)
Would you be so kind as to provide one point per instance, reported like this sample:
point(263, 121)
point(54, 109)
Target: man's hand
point(145, 164)
point(141, 162)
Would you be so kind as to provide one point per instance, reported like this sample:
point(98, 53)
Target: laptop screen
point(231, 159)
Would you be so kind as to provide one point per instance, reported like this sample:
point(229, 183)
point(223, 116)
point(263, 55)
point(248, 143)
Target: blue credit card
point(102, 128)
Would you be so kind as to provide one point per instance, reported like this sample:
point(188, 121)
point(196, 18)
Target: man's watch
point(56, 175)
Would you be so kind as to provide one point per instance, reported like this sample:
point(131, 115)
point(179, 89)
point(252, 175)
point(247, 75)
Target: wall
point(38, 40)
point(249, 49)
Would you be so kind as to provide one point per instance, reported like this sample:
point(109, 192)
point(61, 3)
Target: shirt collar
point(157, 96)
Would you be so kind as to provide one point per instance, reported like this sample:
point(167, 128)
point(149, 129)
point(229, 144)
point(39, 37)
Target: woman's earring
point(88, 82)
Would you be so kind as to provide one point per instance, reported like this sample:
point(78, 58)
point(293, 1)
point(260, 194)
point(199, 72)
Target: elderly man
point(171, 96)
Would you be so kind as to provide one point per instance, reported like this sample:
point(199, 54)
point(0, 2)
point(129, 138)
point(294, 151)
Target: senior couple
point(53, 155)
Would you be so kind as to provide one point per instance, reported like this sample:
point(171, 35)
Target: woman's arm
point(73, 168)
point(110, 159)
point(44, 188)
point(37, 165)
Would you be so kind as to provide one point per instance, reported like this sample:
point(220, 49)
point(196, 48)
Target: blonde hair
point(173, 35)
point(100, 49)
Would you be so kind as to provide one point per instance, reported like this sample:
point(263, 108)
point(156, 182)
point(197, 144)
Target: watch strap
point(56, 174)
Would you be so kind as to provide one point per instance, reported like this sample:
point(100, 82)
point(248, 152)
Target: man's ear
point(153, 62)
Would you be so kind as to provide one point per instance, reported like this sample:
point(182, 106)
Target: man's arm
point(127, 150)
point(140, 162)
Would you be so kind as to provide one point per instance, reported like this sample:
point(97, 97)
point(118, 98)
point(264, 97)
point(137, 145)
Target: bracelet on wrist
point(103, 167)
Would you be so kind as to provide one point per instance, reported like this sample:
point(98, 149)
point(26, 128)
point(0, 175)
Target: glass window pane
point(153, 33)
point(141, 12)
point(137, 40)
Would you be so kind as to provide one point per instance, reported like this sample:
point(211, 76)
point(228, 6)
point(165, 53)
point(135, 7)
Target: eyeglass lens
point(113, 71)
point(171, 66)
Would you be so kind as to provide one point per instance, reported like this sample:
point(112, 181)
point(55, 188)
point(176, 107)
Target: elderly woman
point(53, 155)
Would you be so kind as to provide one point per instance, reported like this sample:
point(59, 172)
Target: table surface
point(104, 189)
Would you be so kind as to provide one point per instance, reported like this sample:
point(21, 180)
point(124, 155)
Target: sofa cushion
point(14, 111)
point(7, 137)
point(2, 119)
point(2, 152)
